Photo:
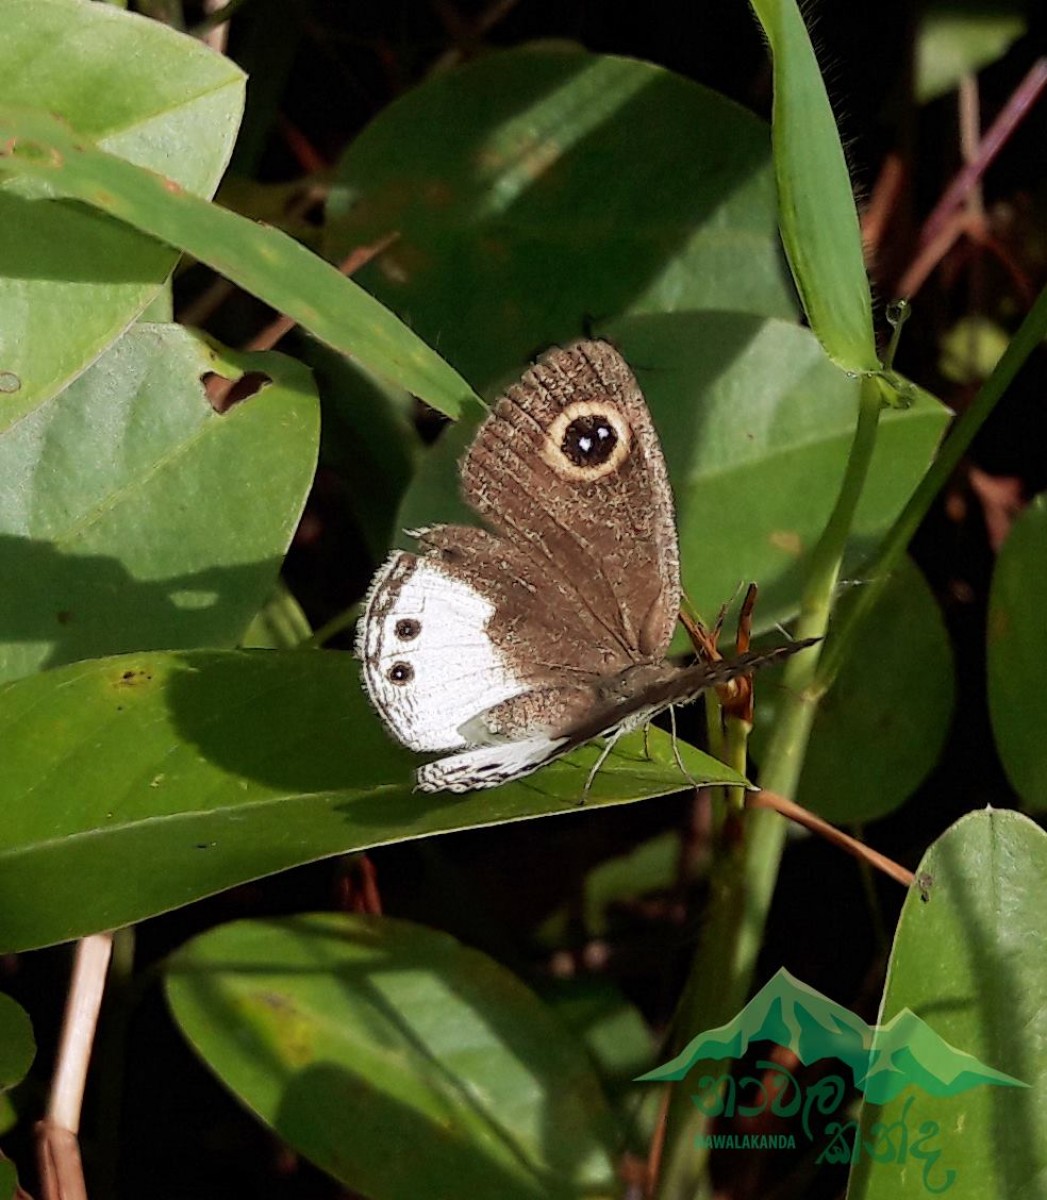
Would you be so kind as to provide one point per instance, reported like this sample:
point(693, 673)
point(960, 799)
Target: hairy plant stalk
point(1030, 335)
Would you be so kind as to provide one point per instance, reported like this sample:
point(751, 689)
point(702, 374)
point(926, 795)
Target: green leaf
point(17, 1045)
point(879, 729)
point(971, 350)
point(652, 865)
point(960, 37)
point(400, 1061)
point(8, 1179)
point(620, 1044)
point(612, 1030)
point(41, 149)
point(369, 438)
point(816, 207)
point(134, 516)
point(968, 959)
point(133, 785)
point(756, 425)
point(539, 187)
point(71, 280)
point(1017, 652)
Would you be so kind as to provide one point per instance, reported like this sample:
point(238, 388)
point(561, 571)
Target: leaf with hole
point(39, 151)
point(134, 516)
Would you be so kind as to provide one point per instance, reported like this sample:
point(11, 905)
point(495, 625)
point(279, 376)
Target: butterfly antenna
point(786, 634)
point(721, 616)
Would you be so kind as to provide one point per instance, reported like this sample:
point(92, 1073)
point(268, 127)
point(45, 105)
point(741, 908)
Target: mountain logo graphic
point(883, 1059)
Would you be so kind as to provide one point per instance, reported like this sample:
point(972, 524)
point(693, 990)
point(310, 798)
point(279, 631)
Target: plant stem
point(1031, 333)
point(344, 620)
point(736, 744)
point(744, 874)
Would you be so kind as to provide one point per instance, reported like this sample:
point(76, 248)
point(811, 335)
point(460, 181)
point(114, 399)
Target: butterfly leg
point(676, 748)
point(609, 745)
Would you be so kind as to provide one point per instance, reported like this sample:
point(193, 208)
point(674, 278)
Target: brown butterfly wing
point(537, 623)
point(569, 469)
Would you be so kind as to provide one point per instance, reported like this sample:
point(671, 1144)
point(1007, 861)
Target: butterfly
point(507, 646)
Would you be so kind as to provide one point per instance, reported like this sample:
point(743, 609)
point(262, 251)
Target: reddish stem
point(1011, 115)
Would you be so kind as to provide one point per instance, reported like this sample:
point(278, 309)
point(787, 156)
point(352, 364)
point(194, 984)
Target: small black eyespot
point(589, 441)
point(407, 629)
point(400, 672)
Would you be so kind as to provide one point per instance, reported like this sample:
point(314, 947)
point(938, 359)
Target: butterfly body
point(505, 647)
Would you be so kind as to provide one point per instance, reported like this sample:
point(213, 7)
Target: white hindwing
point(429, 665)
point(487, 766)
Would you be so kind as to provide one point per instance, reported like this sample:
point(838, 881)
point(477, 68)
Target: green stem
point(336, 625)
point(744, 875)
point(1030, 335)
point(736, 746)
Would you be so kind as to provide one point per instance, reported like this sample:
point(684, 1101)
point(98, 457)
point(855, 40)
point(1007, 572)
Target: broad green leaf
point(43, 152)
point(960, 37)
point(134, 516)
point(816, 207)
point(1017, 654)
point(969, 959)
point(756, 425)
point(541, 187)
point(71, 280)
point(880, 728)
point(133, 785)
point(17, 1045)
point(400, 1061)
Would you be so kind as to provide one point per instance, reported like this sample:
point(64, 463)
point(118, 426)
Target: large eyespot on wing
point(587, 440)
point(428, 664)
point(569, 466)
